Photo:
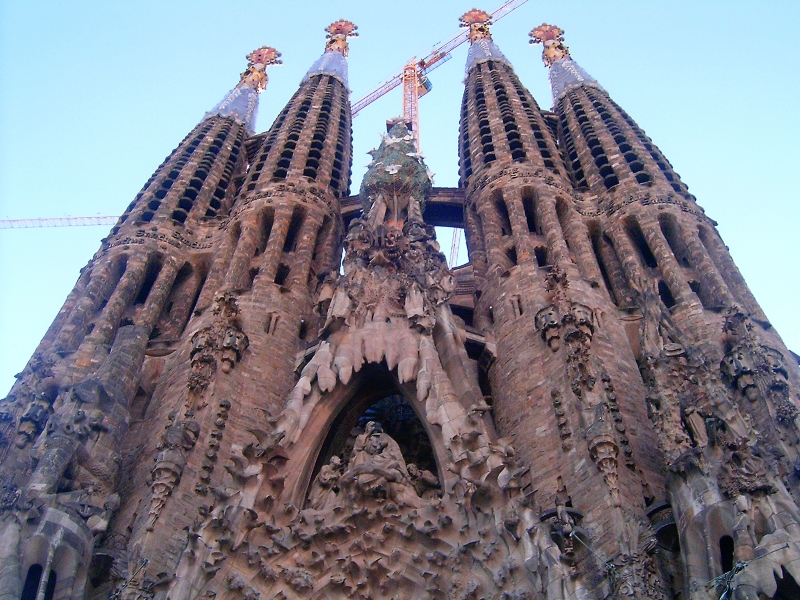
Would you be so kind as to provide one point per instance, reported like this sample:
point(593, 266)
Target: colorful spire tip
point(338, 33)
point(478, 22)
point(552, 38)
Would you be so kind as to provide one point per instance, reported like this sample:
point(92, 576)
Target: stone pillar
point(546, 209)
point(614, 270)
point(120, 300)
point(101, 285)
point(728, 269)
point(705, 267)
point(668, 265)
point(272, 254)
point(625, 253)
point(159, 293)
point(174, 324)
point(577, 236)
point(219, 268)
point(475, 246)
point(305, 251)
point(519, 225)
point(238, 277)
point(493, 236)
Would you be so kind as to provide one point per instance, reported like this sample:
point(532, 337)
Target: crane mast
point(413, 75)
point(415, 85)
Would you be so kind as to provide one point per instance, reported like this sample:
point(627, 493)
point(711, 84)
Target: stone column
point(705, 267)
point(239, 270)
point(728, 269)
point(577, 236)
point(219, 268)
point(272, 253)
point(668, 265)
point(101, 285)
point(148, 317)
point(475, 245)
point(519, 225)
point(305, 251)
point(493, 235)
point(546, 209)
point(120, 300)
point(614, 271)
point(625, 253)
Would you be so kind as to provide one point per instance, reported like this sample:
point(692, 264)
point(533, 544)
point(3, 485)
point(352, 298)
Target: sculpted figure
point(377, 469)
point(426, 484)
point(177, 440)
point(325, 489)
point(548, 321)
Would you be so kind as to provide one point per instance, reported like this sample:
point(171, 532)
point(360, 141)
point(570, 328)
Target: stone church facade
point(264, 387)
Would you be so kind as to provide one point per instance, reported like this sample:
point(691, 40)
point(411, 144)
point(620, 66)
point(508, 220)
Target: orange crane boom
point(412, 77)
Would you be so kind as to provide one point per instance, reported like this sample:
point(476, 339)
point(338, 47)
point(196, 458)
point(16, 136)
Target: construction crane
point(56, 222)
point(416, 84)
point(413, 76)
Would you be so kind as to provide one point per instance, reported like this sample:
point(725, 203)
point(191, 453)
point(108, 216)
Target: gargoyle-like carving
point(223, 340)
point(178, 439)
point(633, 572)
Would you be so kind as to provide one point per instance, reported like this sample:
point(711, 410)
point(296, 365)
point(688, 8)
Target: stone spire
point(565, 73)
point(481, 46)
point(333, 61)
point(241, 102)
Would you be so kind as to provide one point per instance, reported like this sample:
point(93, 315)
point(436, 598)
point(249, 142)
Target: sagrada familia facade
point(264, 387)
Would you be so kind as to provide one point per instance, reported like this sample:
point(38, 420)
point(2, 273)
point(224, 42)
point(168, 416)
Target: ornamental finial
point(257, 62)
point(338, 33)
point(552, 38)
point(478, 22)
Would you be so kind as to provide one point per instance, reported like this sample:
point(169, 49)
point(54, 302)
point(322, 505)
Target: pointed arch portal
point(373, 394)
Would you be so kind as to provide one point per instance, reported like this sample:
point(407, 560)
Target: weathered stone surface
point(594, 407)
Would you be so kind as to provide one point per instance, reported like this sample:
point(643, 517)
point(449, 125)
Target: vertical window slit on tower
point(726, 554)
point(666, 296)
point(290, 243)
point(540, 252)
point(153, 269)
point(282, 274)
point(595, 237)
point(529, 206)
point(507, 115)
point(483, 121)
point(294, 131)
point(464, 146)
point(504, 221)
point(637, 237)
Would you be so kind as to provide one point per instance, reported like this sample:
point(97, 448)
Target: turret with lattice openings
point(312, 137)
point(194, 181)
point(501, 123)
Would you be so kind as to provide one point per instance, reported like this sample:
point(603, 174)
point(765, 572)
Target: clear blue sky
point(93, 95)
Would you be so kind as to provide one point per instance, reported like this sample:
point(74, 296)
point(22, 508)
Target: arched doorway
point(379, 399)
